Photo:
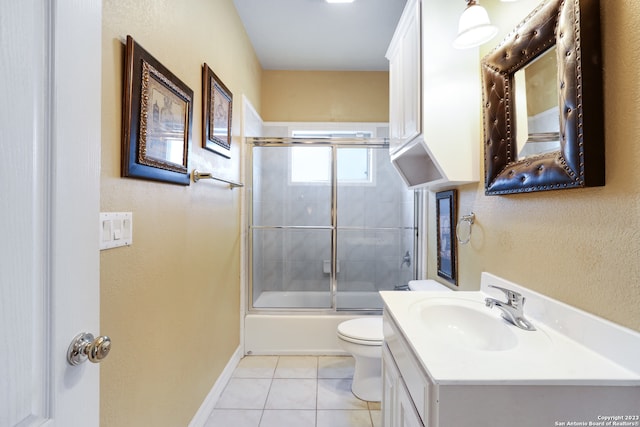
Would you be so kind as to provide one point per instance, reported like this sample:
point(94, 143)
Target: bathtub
point(299, 332)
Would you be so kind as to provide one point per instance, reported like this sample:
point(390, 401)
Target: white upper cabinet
point(405, 88)
point(435, 97)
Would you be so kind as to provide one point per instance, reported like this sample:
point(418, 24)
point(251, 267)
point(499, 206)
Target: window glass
point(313, 165)
point(310, 164)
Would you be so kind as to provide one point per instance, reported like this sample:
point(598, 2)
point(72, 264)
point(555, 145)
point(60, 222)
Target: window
point(310, 164)
point(354, 165)
point(313, 164)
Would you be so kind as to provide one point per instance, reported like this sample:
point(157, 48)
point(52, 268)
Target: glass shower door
point(291, 228)
point(375, 228)
point(332, 224)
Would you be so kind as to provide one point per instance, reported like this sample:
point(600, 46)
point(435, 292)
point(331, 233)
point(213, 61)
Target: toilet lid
point(365, 329)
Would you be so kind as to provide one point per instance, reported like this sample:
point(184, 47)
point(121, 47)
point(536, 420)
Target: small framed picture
point(445, 218)
point(217, 111)
point(157, 119)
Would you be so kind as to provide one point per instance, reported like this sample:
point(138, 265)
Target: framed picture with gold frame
point(446, 235)
point(157, 119)
point(217, 111)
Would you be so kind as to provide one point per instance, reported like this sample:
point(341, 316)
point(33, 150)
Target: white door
point(50, 78)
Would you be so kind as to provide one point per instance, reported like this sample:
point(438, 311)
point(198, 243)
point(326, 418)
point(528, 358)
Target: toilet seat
point(362, 331)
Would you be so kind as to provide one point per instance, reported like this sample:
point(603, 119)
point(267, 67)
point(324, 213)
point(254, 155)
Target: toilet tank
point(427, 285)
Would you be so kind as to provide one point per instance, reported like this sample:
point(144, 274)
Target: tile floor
point(293, 391)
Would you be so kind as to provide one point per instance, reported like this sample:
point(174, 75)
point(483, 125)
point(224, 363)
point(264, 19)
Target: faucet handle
point(514, 298)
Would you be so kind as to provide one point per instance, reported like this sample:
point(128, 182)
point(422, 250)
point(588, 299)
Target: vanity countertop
point(569, 347)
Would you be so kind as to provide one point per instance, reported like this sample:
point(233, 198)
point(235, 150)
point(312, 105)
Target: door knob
point(84, 347)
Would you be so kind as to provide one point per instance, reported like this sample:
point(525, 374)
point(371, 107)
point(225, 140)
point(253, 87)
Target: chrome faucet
point(512, 309)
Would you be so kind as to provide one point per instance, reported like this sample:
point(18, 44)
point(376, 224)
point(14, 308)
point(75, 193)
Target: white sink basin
point(468, 324)
point(464, 323)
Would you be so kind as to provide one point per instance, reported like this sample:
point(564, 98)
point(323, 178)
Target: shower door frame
point(334, 144)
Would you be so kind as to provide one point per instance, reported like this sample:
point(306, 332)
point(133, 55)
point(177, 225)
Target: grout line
point(264, 407)
point(276, 368)
point(317, 388)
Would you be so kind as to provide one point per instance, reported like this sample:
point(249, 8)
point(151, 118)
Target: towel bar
point(197, 176)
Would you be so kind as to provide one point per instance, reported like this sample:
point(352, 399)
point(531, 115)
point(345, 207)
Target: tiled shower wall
point(295, 260)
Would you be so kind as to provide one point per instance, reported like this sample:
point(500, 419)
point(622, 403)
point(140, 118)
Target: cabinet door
point(390, 379)
point(412, 76)
point(395, 103)
point(406, 414)
point(405, 71)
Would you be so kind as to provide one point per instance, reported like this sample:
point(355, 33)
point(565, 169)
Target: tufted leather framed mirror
point(573, 27)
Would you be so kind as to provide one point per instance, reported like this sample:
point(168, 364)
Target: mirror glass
point(536, 97)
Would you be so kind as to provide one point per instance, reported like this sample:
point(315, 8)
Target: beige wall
point(325, 96)
point(170, 302)
point(579, 246)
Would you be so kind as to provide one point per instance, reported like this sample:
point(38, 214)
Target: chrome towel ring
point(464, 228)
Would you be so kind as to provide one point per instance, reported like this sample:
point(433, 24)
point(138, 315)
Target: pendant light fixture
point(474, 27)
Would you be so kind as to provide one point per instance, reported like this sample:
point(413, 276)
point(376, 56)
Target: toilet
point(363, 337)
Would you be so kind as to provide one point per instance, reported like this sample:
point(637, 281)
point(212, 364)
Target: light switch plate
point(116, 229)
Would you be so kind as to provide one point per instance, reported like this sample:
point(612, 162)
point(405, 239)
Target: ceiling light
point(474, 27)
point(339, 1)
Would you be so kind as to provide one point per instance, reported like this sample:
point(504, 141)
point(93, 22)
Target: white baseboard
point(200, 418)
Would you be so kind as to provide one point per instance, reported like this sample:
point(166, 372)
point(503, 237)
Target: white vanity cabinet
point(434, 98)
point(405, 386)
point(464, 365)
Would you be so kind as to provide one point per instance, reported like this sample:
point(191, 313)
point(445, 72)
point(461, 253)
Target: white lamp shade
point(474, 28)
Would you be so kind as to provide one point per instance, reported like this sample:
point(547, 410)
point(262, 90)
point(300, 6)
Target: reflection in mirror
point(537, 113)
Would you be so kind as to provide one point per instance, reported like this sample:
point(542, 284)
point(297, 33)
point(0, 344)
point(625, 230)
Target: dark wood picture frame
point(157, 119)
point(446, 235)
point(217, 109)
